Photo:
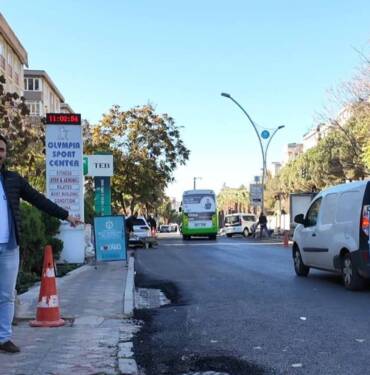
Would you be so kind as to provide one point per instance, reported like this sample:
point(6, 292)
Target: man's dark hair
point(3, 139)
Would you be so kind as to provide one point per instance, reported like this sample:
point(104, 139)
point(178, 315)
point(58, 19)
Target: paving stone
point(89, 320)
point(90, 346)
point(125, 350)
point(127, 367)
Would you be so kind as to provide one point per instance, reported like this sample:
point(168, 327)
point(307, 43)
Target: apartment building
point(275, 168)
point(65, 108)
point(291, 151)
point(314, 135)
point(42, 95)
point(13, 58)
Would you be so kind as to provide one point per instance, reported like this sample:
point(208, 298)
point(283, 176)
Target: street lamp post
point(263, 150)
point(195, 182)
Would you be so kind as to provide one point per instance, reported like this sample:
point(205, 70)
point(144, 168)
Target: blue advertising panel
point(110, 241)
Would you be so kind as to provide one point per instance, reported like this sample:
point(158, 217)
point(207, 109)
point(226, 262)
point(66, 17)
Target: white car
point(334, 234)
point(239, 223)
point(142, 234)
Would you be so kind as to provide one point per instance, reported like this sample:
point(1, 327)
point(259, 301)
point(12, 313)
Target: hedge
point(38, 229)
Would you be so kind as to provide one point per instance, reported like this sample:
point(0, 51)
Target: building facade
point(65, 108)
point(313, 137)
point(42, 95)
point(291, 151)
point(275, 168)
point(13, 58)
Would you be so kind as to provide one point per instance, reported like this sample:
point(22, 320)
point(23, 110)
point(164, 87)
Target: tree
point(25, 138)
point(233, 199)
point(167, 213)
point(146, 148)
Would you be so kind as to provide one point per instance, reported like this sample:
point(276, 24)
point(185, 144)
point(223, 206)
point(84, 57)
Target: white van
point(334, 234)
point(239, 223)
point(142, 234)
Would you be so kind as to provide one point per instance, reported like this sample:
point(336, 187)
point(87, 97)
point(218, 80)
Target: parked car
point(239, 223)
point(164, 228)
point(334, 234)
point(142, 234)
point(173, 227)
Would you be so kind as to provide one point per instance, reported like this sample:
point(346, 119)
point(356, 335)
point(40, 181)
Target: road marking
point(223, 244)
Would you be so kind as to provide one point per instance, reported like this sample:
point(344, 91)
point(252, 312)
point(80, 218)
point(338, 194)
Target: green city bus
point(199, 214)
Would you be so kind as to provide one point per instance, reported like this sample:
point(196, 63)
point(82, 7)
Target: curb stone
point(126, 363)
point(129, 298)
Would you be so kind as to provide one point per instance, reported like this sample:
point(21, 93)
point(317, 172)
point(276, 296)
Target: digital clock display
point(63, 118)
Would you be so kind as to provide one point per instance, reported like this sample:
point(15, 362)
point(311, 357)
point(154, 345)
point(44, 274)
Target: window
point(249, 218)
point(313, 213)
point(2, 55)
point(34, 108)
point(2, 62)
point(51, 98)
point(10, 64)
point(232, 220)
point(138, 221)
point(32, 84)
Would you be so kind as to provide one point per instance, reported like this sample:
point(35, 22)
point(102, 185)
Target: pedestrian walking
point(153, 225)
point(254, 230)
point(130, 227)
point(12, 188)
point(262, 221)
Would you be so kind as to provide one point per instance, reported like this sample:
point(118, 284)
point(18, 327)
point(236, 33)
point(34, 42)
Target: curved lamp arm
point(249, 118)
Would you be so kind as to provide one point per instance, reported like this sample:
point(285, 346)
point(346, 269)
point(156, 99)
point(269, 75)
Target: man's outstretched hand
point(74, 221)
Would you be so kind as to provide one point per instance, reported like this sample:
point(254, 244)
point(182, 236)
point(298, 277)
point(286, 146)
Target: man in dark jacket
point(262, 221)
point(130, 221)
point(13, 187)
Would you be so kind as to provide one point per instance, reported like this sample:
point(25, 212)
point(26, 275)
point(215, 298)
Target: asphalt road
point(239, 308)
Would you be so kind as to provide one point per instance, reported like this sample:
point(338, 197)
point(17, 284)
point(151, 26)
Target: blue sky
point(277, 58)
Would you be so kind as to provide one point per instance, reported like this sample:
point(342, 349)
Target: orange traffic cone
point(48, 312)
point(286, 238)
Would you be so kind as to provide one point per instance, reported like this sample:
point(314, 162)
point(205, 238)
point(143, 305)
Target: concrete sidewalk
point(92, 302)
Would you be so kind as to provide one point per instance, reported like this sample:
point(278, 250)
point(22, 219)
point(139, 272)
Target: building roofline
point(66, 105)
point(10, 37)
point(43, 74)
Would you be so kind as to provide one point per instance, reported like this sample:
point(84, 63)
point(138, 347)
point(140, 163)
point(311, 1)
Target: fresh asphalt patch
point(157, 356)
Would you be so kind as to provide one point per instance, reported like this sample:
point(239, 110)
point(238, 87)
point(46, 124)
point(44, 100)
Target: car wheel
point(229, 235)
point(212, 237)
point(300, 268)
point(185, 238)
point(246, 232)
point(351, 279)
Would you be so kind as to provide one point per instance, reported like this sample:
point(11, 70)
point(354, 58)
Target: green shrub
point(38, 229)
